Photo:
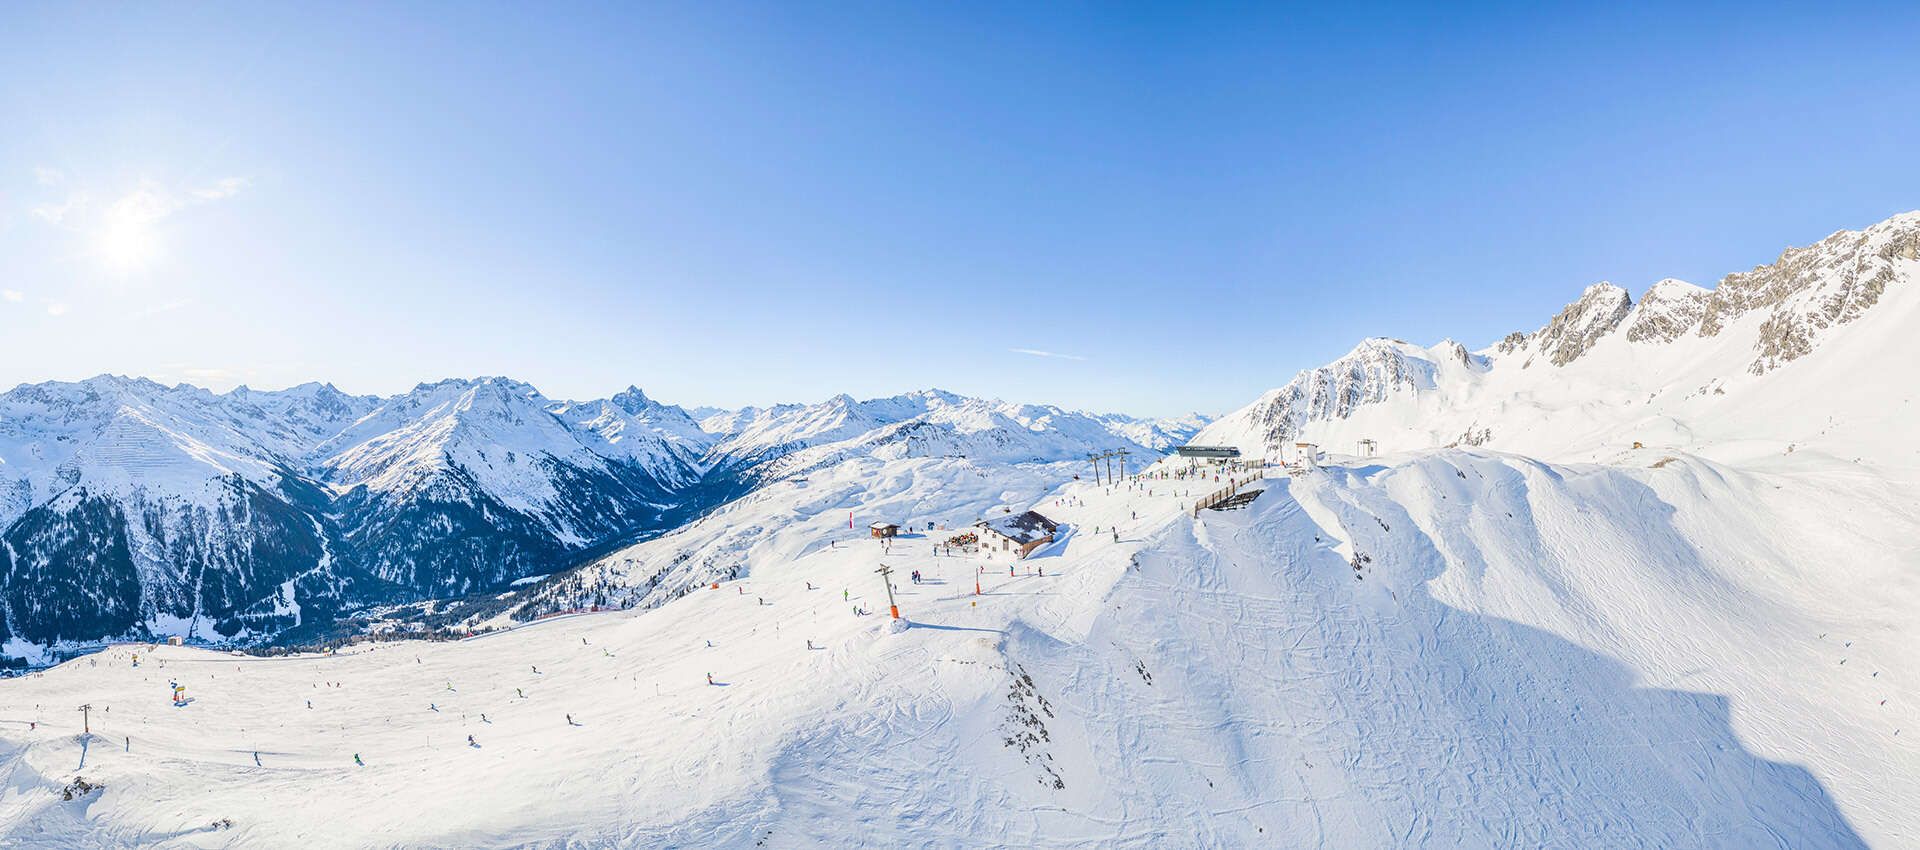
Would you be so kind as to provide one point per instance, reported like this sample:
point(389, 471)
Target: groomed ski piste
point(1444, 648)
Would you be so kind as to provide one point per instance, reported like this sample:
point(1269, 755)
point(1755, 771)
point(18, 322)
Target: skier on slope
point(356, 760)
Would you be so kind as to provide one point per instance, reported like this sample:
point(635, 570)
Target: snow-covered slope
point(755, 435)
point(469, 484)
point(1514, 628)
point(1801, 353)
point(130, 508)
point(922, 461)
point(244, 514)
point(1527, 654)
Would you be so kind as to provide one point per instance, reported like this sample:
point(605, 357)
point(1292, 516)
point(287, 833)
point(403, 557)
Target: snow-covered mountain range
point(1728, 371)
point(1512, 627)
point(129, 508)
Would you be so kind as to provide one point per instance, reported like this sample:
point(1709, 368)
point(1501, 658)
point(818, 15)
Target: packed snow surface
point(1526, 654)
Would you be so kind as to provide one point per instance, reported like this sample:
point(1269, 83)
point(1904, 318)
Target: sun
point(127, 244)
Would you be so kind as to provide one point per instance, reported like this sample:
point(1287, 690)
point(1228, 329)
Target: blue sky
point(746, 204)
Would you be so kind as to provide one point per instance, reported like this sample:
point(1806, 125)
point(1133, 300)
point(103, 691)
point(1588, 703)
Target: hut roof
point(1022, 528)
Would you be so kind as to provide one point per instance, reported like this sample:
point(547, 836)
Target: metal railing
point(1234, 486)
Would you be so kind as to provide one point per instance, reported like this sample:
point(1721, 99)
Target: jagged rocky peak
point(632, 399)
point(632, 420)
point(1373, 371)
point(1574, 331)
point(1811, 289)
point(1511, 342)
point(1452, 350)
point(1669, 309)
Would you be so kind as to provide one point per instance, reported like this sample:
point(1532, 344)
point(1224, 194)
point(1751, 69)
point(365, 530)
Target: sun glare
point(128, 240)
point(127, 245)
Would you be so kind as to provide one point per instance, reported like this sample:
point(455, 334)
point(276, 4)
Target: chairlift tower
point(886, 574)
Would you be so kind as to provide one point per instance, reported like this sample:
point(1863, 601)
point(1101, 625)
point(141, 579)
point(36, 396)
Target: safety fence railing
point(1235, 485)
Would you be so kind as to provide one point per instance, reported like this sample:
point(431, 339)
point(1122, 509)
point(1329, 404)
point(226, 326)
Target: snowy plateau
point(1647, 575)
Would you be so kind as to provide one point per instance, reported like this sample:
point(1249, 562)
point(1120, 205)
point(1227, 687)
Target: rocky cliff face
point(1811, 290)
point(1669, 309)
point(1375, 370)
point(1580, 325)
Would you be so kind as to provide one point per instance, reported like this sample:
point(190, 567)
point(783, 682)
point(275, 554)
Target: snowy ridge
point(1608, 584)
point(1761, 362)
point(131, 508)
point(755, 435)
point(920, 438)
point(936, 436)
point(503, 436)
point(1563, 655)
point(456, 486)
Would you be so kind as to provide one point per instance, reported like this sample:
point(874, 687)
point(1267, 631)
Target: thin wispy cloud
point(1035, 352)
point(14, 296)
point(148, 203)
point(57, 213)
point(158, 309)
point(122, 227)
point(225, 188)
point(56, 308)
point(48, 176)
